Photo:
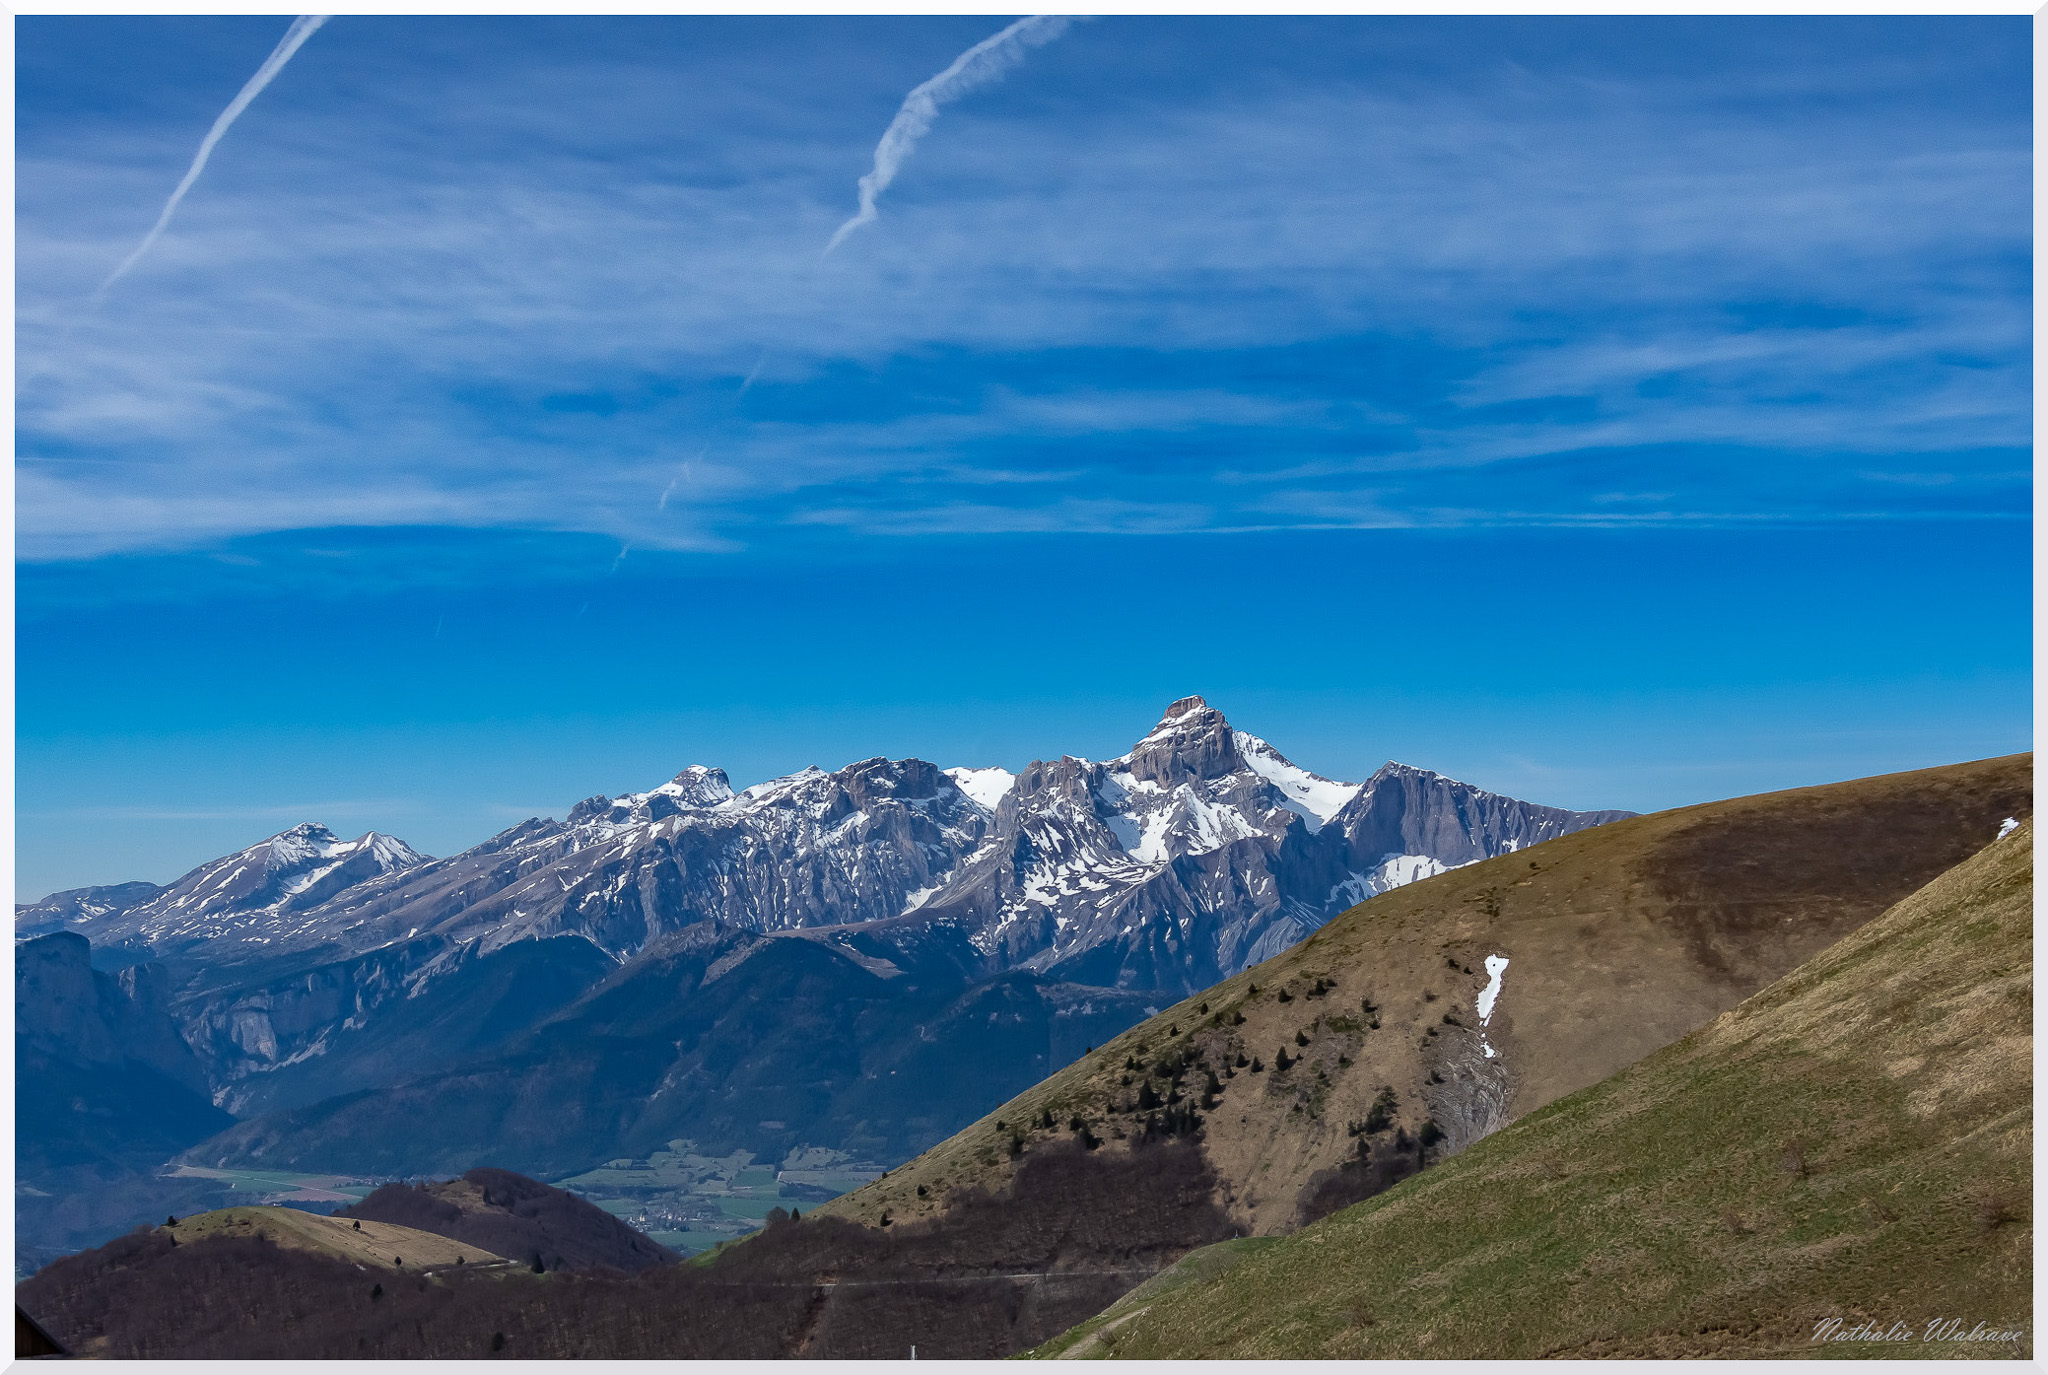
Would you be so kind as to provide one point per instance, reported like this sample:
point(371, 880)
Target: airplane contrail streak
point(979, 65)
point(302, 28)
point(754, 374)
point(682, 475)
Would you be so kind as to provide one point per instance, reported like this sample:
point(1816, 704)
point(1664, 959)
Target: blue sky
point(1611, 413)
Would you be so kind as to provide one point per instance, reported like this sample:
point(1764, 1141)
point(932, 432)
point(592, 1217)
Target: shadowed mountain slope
point(732, 1039)
point(1853, 1143)
point(1330, 1070)
point(105, 1090)
point(1000, 1275)
point(101, 1073)
point(517, 1217)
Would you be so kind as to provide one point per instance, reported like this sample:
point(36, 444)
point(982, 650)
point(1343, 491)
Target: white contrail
point(978, 66)
point(682, 475)
point(302, 28)
point(757, 368)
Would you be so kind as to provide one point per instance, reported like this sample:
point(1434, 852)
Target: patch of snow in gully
point(1496, 965)
point(2007, 827)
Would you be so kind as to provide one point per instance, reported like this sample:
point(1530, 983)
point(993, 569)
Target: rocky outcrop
point(1407, 811)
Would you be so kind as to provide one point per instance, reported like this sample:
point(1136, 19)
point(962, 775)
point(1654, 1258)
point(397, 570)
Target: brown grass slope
point(1854, 1142)
point(382, 1244)
point(1620, 940)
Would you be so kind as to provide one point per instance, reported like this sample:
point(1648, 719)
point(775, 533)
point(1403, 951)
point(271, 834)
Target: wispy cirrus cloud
point(1160, 290)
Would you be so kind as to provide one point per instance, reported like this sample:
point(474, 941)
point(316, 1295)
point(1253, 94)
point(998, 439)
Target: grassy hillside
point(381, 1244)
point(1854, 1142)
point(513, 1216)
point(1339, 1063)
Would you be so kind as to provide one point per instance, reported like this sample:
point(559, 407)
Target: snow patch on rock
point(1313, 796)
point(986, 786)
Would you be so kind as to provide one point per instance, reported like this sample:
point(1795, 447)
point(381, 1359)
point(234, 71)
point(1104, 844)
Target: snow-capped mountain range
point(1201, 851)
point(865, 957)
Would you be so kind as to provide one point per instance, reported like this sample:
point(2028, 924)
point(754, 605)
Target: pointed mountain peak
point(1176, 712)
point(1191, 741)
point(307, 840)
point(697, 788)
point(1188, 715)
point(700, 786)
point(388, 850)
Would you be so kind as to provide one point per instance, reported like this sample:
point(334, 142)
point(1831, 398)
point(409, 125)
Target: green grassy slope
point(1854, 1142)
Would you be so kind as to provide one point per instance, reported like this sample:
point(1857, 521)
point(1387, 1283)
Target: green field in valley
point(692, 1202)
point(285, 1186)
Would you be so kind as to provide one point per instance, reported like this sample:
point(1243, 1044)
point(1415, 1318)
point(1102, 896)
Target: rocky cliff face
point(102, 1075)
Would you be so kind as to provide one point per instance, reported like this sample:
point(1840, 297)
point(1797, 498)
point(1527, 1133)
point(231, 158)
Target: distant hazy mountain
point(1204, 851)
point(865, 1039)
point(81, 907)
point(1199, 852)
point(262, 896)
